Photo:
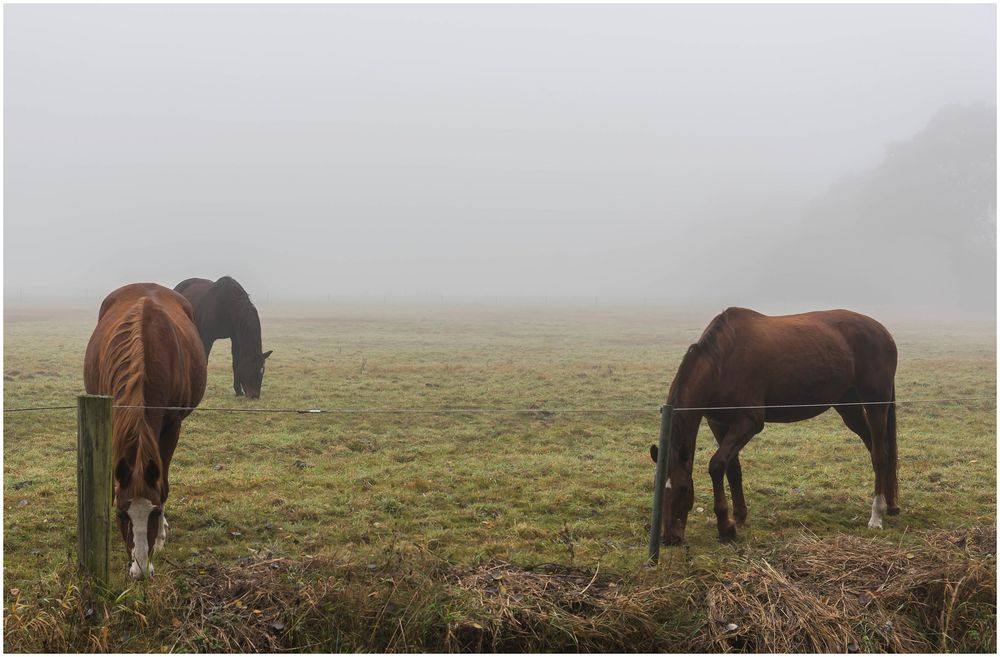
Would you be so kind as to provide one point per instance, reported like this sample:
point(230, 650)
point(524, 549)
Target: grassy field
point(358, 500)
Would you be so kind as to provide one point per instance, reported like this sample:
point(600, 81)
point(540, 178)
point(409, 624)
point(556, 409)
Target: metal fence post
point(659, 481)
point(93, 487)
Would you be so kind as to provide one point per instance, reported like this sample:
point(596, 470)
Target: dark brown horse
point(145, 352)
point(223, 310)
point(804, 363)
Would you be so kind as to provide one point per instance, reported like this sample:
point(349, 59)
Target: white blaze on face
point(878, 512)
point(138, 512)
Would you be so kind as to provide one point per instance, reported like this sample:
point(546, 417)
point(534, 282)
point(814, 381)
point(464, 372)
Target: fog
point(778, 157)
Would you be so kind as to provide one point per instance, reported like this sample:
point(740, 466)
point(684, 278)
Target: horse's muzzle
point(135, 571)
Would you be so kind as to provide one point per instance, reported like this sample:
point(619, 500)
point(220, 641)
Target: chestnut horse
point(145, 352)
point(223, 310)
point(797, 366)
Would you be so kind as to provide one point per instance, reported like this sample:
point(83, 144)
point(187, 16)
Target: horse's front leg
point(717, 469)
point(738, 434)
point(236, 359)
point(169, 435)
point(734, 473)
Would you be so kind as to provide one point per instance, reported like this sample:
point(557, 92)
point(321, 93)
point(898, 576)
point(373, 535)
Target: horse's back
point(189, 283)
point(198, 288)
point(213, 303)
point(206, 295)
point(177, 375)
point(195, 290)
point(800, 359)
point(171, 348)
point(867, 343)
point(827, 331)
point(120, 300)
point(775, 338)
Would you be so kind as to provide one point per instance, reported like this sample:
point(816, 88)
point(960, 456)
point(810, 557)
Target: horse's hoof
point(728, 533)
point(893, 510)
point(673, 540)
point(875, 524)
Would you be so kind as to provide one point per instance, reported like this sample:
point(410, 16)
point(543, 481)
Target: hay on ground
point(558, 608)
point(851, 594)
point(830, 594)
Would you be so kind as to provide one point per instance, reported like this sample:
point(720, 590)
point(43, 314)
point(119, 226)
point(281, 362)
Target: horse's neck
point(691, 395)
point(694, 385)
point(243, 331)
point(691, 390)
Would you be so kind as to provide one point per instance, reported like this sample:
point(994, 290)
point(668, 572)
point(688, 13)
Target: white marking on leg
point(139, 511)
point(161, 536)
point(878, 512)
point(668, 483)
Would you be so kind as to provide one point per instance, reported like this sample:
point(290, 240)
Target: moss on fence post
point(93, 488)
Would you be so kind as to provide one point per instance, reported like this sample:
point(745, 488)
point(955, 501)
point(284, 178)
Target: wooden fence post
point(93, 487)
point(659, 481)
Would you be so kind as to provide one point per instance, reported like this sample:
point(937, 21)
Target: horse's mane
point(710, 349)
point(124, 378)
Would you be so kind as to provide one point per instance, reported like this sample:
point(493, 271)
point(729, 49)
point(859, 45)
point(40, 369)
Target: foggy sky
point(471, 152)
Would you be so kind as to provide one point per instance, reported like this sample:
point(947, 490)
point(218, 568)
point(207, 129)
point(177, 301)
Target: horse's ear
point(653, 452)
point(122, 473)
point(152, 474)
point(264, 355)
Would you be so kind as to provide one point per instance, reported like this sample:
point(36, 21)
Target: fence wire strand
point(38, 408)
point(860, 403)
point(485, 411)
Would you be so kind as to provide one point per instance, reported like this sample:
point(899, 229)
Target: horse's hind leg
point(854, 418)
point(734, 473)
point(877, 416)
point(739, 434)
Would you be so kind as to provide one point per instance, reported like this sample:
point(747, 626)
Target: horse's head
point(139, 507)
point(678, 496)
point(250, 373)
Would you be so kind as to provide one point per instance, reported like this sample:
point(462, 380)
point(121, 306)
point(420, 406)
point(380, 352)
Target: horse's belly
point(793, 414)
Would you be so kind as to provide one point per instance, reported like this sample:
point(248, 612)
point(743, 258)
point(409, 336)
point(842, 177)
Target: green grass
point(470, 487)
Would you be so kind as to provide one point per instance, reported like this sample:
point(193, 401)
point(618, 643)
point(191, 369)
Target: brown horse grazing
point(805, 362)
point(145, 351)
point(223, 310)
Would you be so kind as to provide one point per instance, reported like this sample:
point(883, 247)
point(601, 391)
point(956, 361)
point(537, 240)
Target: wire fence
point(512, 411)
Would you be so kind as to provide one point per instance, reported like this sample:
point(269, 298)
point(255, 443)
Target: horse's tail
point(124, 377)
point(889, 476)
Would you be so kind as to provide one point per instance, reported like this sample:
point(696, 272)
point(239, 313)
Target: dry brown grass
point(854, 594)
point(812, 595)
point(561, 608)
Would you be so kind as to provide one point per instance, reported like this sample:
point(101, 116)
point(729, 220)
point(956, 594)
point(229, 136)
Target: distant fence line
point(467, 411)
